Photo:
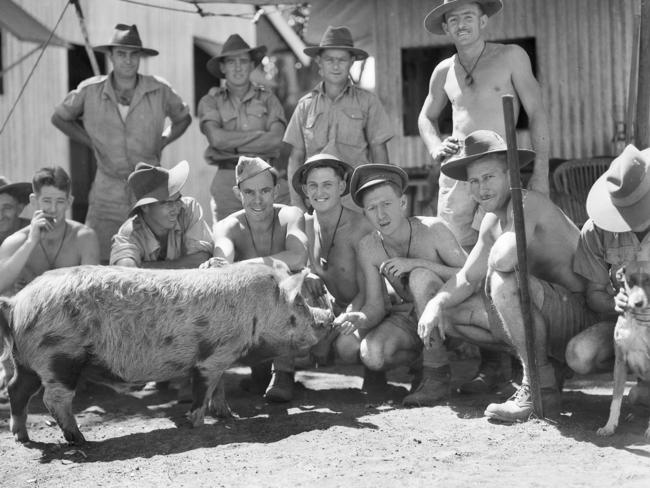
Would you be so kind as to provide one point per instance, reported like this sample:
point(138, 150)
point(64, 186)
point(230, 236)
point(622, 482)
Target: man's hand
point(621, 301)
point(449, 147)
point(539, 184)
point(215, 262)
point(41, 222)
point(395, 267)
point(348, 322)
point(432, 324)
point(314, 286)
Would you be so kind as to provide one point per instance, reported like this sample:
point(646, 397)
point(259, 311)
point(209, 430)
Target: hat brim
point(434, 19)
point(297, 180)
point(313, 51)
point(608, 216)
point(20, 191)
point(256, 53)
point(457, 168)
point(176, 180)
point(106, 48)
point(361, 172)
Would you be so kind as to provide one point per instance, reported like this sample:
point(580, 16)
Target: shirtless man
point(333, 232)
point(416, 256)
point(263, 232)
point(473, 80)
point(557, 293)
point(51, 241)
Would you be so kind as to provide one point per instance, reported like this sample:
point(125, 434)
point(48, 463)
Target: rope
point(29, 77)
point(198, 10)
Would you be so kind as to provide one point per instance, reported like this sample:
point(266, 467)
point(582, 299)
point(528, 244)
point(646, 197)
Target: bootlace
point(522, 395)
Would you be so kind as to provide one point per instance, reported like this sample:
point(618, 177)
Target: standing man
point(121, 117)
point(333, 233)
point(240, 118)
point(416, 256)
point(13, 199)
point(616, 235)
point(267, 233)
point(167, 230)
point(337, 117)
point(473, 81)
point(481, 302)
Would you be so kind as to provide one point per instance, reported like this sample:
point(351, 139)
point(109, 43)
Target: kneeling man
point(416, 256)
point(557, 292)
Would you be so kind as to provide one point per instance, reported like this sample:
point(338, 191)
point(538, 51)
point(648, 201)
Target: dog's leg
point(620, 375)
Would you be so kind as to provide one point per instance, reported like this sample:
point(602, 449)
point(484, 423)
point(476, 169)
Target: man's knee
point(371, 352)
point(503, 288)
point(590, 350)
point(580, 356)
point(347, 348)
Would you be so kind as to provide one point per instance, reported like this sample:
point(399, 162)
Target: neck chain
point(324, 261)
point(469, 79)
point(52, 262)
point(408, 249)
point(250, 232)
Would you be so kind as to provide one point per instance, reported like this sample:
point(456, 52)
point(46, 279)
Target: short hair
point(54, 176)
point(338, 170)
point(396, 188)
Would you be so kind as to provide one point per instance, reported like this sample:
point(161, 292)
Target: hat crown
point(147, 179)
point(481, 141)
point(248, 167)
point(234, 43)
point(127, 36)
point(336, 37)
point(626, 179)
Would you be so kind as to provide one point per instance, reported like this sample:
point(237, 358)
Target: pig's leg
point(218, 405)
point(204, 382)
point(58, 400)
point(21, 388)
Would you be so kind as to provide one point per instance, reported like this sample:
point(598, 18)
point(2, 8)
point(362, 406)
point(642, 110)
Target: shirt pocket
point(315, 132)
point(350, 128)
point(257, 115)
point(228, 118)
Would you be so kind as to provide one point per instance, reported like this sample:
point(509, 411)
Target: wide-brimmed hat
point(234, 46)
point(127, 36)
point(434, 19)
point(369, 175)
point(478, 144)
point(20, 191)
point(151, 184)
point(336, 38)
point(248, 167)
point(321, 161)
point(619, 201)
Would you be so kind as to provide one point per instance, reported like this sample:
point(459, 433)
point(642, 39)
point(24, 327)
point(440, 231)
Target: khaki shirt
point(344, 127)
point(601, 253)
point(191, 234)
point(259, 109)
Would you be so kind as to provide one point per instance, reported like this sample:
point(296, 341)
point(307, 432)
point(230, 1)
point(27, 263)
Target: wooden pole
point(642, 136)
point(522, 260)
point(84, 33)
point(630, 113)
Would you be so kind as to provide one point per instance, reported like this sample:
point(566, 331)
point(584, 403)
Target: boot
point(280, 388)
point(489, 375)
point(519, 407)
point(432, 389)
point(374, 381)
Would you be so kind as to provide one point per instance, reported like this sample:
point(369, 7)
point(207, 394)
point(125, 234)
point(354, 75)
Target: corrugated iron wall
point(583, 63)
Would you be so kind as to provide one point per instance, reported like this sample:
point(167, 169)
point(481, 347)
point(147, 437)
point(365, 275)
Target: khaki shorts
point(403, 317)
point(565, 313)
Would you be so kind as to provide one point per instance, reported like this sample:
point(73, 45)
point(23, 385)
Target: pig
point(120, 326)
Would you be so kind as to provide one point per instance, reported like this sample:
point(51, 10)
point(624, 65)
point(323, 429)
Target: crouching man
point(416, 256)
point(616, 235)
point(493, 318)
point(165, 230)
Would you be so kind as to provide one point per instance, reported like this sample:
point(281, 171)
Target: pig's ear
point(293, 284)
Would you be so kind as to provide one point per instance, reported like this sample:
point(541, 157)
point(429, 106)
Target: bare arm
point(88, 246)
point(296, 159)
point(227, 140)
point(14, 254)
point(176, 130)
point(184, 262)
point(72, 129)
point(530, 94)
point(379, 153)
point(266, 141)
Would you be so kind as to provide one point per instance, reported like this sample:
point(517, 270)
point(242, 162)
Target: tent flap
point(25, 27)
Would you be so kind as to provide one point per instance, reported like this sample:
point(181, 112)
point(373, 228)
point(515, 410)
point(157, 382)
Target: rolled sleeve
point(124, 246)
point(197, 236)
point(294, 133)
point(176, 109)
point(208, 110)
point(589, 260)
point(378, 129)
point(72, 106)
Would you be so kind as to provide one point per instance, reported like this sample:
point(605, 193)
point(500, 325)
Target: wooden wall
point(30, 141)
point(583, 56)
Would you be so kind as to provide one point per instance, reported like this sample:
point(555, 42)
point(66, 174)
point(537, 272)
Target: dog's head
point(635, 278)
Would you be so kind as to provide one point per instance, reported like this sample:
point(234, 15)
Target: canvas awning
point(25, 27)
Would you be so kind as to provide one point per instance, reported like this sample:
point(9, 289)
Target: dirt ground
point(328, 436)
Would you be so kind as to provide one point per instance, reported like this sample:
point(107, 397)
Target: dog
point(631, 337)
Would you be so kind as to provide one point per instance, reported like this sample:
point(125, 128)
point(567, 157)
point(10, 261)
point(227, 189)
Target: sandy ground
point(328, 436)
